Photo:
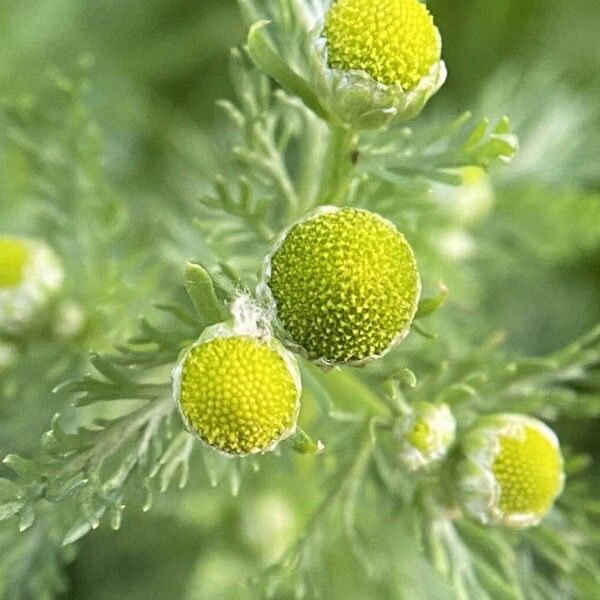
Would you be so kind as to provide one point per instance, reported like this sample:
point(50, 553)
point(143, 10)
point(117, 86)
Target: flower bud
point(511, 471)
point(238, 393)
point(426, 435)
point(344, 285)
point(29, 273)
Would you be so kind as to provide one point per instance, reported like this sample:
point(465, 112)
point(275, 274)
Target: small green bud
point(238, 393)
point(511, 471)
point(29, 274)
point(344, 285)
point(426, 434)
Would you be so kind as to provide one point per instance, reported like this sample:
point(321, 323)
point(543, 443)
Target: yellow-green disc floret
point(238, 394)
point(345, 285)
point(394, 41)
point(14, 256)
point(528, 469)
point(511, 471)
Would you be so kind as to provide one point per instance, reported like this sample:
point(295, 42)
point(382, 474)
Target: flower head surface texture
point(345, 285)
point(394, 41)
point(14, 256)
point(238, 394)
point(513, 470)
point(527, 470)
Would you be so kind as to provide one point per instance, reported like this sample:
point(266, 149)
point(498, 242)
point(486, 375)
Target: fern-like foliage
point(125, 435)
point(55, 187)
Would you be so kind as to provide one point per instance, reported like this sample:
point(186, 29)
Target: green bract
point(238, 393)
point(344, 285)
point(382, 63)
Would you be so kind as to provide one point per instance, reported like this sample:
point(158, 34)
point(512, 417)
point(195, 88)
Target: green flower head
point(238, 393)
point(344, 285)
point(29, 274)
point(511, 471)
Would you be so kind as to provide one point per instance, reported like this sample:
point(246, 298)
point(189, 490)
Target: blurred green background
point(157, 68)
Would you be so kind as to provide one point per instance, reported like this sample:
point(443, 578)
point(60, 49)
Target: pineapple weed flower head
point(343, 283)
point(393, 41)
point(389, 50)
point(30, 273)
point(511, 470)
point(373, 62)
point(238, 390)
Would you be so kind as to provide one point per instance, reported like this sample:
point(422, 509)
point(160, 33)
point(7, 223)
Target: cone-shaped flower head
point(426, 435)
point(511, 471)
point(344, 284)
point(238, 393)
point(29, 273)
point(394, 41)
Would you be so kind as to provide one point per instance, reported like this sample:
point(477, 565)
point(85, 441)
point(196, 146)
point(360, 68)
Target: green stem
point(338, 166)
point(312, 159)
point(352, 473)
point(343, 484)
point(343, 384)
